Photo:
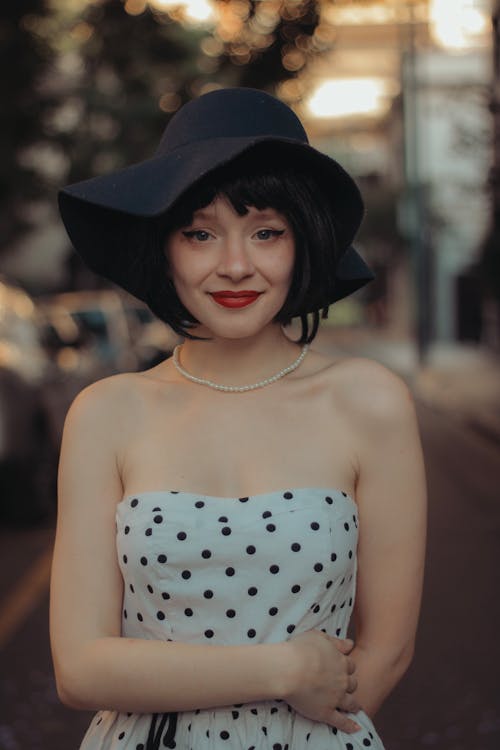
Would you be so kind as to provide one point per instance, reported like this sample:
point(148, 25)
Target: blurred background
point(406, 95)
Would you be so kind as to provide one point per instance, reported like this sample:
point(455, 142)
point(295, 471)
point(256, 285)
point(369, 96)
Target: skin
point(158, 430)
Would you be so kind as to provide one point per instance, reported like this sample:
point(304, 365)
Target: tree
point(24, 58)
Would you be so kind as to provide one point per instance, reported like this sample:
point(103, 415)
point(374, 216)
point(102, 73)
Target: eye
point(199, 234)
point(266, 234)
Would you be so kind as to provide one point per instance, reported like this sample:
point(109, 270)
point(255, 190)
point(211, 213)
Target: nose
point(235, 261)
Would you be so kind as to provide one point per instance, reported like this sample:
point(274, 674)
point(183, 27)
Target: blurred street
point(450, 697)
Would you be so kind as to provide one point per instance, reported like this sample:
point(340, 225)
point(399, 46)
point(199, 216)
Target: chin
point(232, 329)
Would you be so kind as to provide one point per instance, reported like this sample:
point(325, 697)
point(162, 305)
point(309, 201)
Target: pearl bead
point(238, 388)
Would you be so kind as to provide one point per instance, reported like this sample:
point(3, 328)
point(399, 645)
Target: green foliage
point(92, 86)
point(24, 57)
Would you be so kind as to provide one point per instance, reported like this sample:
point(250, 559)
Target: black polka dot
point(267, 514)
point(186, 574)
point(150, 588)
point(209, 633)
point(181, 536)
point(243, 499)
point(199, 504)
point(251, 633)
point(235, 714)
point(121, 735)
point(346, 526)
point(315, 526)
point(252, 590)
point(254, 711)
point(155, 509)
point(126, 529)
point(140, 617)
point(131, 587)
point(223, 519)
point(274, 569)
point(251, 549)
point(162, 558)
point(158, 519)
point(208, 594)
point(366, 742)
point(224, 735)
point(277, 746)
point(288, 495)
point(125, 613)
point(271, 527)
point(349, 746)
point(350, 554)
point(125, 558)
point(295, 589)
point(230, 613)
point(318, 567)
point(165, 595)
point(188, 612)
point(295, 547)
point(134, 503)
point(230, 571)
point(337, 632)
point(329, 500)
point(148, 532)
point(144, 560)
point(328, 584)
point(160, 615)
point(290, 628)
point(316, 608)
point(273, 611)
point(226, 530)
point(140, 746)
point(206, 554)
point(333, 557)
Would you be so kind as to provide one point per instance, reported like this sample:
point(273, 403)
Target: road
point(448, 700)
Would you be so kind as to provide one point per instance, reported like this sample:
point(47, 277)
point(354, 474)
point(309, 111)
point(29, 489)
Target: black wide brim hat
point(105, 215)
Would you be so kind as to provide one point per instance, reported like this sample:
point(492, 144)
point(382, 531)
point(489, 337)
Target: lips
point(235, 299)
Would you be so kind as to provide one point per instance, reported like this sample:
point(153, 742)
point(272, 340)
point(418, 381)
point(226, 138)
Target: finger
point(352, 685)
point(344, 723)
point(349, 704)
point(345, 645)
point(351, 666)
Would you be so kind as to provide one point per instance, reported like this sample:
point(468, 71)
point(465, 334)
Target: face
point(223, 252)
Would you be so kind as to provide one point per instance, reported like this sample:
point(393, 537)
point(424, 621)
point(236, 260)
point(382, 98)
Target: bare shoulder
point(106, 403)
point(370, 390)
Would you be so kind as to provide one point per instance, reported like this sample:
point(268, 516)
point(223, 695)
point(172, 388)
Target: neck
point(239, 361)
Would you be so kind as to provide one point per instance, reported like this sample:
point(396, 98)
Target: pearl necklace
point(239, 388)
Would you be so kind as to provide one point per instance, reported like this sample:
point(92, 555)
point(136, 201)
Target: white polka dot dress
point(213, 570)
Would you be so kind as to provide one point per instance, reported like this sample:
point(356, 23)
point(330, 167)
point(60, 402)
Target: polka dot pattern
point(253, 569)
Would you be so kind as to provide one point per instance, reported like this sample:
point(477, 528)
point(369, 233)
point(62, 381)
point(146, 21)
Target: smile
point(235, 300)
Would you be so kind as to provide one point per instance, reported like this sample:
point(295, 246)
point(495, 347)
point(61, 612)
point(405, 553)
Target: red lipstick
point(235, 299)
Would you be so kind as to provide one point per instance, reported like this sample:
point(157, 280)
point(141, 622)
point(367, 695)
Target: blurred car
point(93, 334)
point(28, 444)
point(102, 332)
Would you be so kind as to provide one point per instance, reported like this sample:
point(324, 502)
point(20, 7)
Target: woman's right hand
point(324, 679)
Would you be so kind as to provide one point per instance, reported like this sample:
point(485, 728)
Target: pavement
point(461, 379)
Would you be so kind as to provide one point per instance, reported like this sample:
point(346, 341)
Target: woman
point(207, 544)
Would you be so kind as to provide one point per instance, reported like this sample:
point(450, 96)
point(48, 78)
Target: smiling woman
point(189, 625)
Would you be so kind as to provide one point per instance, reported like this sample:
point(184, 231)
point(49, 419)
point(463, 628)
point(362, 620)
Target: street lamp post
point(415, 213)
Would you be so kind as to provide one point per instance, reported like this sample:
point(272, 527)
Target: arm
point(392, 500)
point(95, 667)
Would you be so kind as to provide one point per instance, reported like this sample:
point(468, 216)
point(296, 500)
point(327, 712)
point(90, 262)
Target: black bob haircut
point(262, 178)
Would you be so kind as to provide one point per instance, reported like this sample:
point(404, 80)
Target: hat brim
point(96, 210)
